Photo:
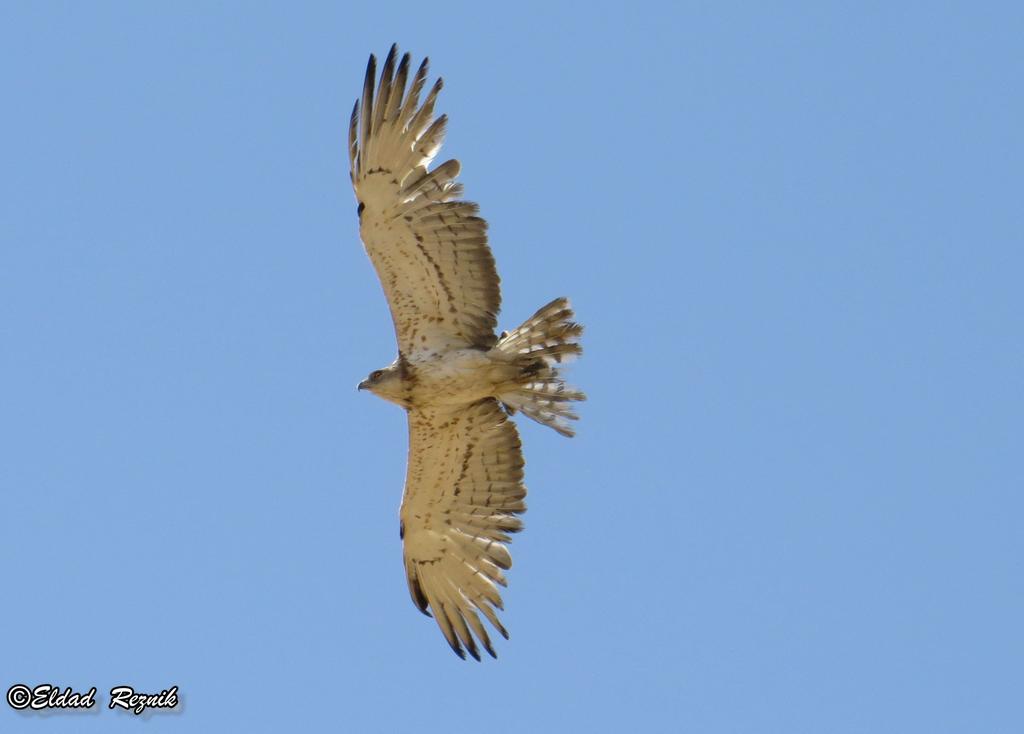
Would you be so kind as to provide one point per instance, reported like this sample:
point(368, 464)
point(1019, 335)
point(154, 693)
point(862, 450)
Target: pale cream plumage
point(429, 250)
point(454, 375)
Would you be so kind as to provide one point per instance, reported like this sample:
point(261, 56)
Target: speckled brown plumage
point(457, 379)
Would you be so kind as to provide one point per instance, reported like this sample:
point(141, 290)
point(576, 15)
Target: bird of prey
point(457, 380)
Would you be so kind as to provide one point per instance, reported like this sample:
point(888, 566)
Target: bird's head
point(386, 383)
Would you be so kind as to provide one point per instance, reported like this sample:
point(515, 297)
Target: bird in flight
point(457, 380)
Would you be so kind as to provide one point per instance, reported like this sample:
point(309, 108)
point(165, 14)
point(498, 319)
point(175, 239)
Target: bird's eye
point(376, 375)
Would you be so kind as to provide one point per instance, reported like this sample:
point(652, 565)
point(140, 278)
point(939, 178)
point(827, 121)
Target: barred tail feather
point(546, 339)
point(547, 402)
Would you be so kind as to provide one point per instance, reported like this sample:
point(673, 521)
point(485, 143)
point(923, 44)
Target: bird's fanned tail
point(546, 339)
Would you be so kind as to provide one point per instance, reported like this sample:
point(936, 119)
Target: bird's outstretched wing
point(463, 490)
point(429, 248)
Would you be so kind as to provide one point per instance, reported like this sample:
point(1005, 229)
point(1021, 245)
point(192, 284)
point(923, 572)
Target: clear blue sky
point(794, 234)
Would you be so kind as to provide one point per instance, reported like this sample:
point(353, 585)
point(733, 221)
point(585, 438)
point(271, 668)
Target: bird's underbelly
point(457, 377)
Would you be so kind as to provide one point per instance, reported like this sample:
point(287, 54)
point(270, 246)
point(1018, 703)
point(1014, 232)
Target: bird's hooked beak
point(364, 385)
